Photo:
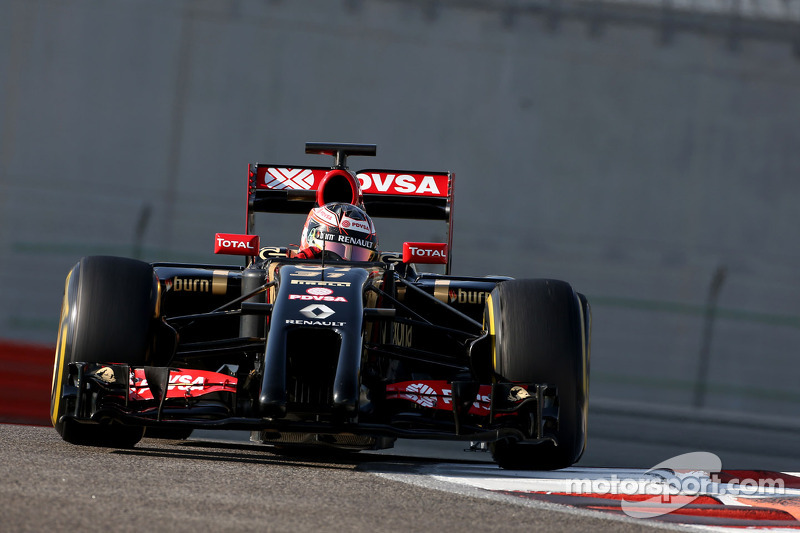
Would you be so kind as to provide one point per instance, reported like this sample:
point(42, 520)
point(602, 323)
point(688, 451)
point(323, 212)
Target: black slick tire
point(106, 316)
point(540, 334)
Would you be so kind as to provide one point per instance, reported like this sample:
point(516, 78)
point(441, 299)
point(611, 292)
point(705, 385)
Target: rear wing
point(385, 193)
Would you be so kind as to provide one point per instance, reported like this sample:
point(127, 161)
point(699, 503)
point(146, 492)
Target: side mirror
point(430, 253)
point(236, 244)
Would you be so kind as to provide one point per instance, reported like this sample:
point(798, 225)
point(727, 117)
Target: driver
point(338, 231)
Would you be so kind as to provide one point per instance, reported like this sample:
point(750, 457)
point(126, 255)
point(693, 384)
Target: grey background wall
point(633, 163)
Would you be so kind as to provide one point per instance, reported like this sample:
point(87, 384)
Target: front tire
point(540, 332)
point(106, 316)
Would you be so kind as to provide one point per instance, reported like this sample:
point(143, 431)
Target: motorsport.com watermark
point(673, 484)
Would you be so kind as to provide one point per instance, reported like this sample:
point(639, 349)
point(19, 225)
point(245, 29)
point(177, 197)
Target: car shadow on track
point(202, 450)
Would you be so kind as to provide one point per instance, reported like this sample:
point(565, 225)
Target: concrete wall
point(600, 155)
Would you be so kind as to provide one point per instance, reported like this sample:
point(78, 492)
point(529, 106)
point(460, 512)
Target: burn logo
point(461, 296)
point(190, 285)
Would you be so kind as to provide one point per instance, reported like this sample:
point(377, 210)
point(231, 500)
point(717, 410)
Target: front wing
point(435, 409)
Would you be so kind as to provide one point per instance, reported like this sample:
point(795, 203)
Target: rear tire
point(106, 316)
point(541, 336)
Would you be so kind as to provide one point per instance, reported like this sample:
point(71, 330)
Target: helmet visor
point(349, 252)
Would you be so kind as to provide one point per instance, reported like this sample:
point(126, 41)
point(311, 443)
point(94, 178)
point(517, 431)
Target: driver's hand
point(306, 253)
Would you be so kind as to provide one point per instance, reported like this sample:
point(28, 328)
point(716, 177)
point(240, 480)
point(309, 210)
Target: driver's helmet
point(341, 231)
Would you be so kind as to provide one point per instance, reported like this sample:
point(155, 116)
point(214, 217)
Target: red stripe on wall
point(25, 378)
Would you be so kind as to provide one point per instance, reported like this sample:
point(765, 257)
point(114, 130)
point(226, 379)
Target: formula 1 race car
point(330, 348)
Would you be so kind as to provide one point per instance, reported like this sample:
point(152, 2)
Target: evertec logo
point(320, 282)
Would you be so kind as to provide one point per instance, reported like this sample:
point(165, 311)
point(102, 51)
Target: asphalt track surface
point(204, 484)
point(49, 485)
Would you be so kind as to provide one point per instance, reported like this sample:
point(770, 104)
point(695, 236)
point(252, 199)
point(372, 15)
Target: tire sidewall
point(64, 347)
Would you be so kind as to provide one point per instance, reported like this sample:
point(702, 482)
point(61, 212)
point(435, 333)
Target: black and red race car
point(322, 351)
